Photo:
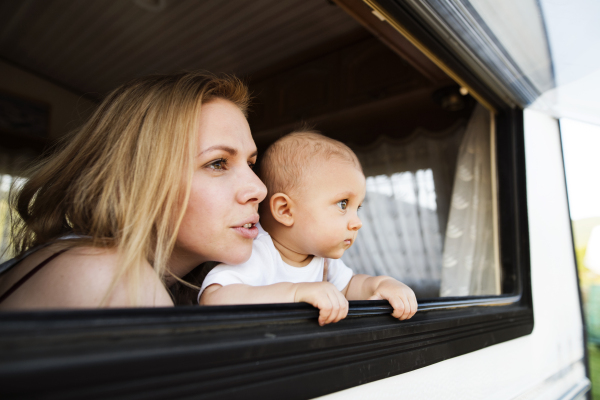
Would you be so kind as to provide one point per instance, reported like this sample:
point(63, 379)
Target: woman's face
point(218, 224)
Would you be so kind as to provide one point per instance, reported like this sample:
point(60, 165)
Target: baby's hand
point(326, 297)
point(400, 296)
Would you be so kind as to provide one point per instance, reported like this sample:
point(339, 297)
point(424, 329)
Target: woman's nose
point(253, 190)
point(355, 223)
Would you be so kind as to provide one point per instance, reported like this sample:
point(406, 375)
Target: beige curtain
point(469, 265)
point(419, 188)
point(409, 184)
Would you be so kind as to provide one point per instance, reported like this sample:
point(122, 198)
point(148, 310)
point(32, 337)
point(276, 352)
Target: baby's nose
point(355, 224)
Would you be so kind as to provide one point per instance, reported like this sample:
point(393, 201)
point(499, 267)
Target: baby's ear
point(282, 209)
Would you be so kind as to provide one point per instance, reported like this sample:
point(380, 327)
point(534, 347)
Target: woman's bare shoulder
point(80, 278)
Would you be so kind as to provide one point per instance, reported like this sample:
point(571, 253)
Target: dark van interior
point(316, 62)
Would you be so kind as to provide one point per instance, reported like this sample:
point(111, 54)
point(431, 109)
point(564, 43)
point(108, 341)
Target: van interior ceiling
point(306, 61)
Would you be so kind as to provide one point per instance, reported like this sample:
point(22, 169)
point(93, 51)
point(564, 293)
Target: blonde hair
point(287, 161)
point(123, 180)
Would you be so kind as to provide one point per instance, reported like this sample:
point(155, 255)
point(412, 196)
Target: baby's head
point(315, 186)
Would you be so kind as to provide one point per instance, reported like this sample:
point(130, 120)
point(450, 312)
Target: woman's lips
point(348, 242)
point(248, 233)
point(248, 227)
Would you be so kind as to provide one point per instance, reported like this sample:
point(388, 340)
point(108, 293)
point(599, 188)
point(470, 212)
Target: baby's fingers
point(324, 313)
point(401, 308)
point(414, 306)
point(407, 309)
point(343, 302)
point(335, 307)
point(328, 310)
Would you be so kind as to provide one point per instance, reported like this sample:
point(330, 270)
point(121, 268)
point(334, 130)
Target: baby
point(309, 218)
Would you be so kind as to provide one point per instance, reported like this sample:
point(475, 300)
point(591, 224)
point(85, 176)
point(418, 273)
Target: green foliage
point(594, 353)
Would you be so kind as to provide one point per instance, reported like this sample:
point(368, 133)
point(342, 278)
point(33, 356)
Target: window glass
point(13, 164)
point(6, 181)
point(428, 217)
point(425, 147)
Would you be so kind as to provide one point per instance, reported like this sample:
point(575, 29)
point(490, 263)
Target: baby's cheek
point(335, 253)
point(336, 245)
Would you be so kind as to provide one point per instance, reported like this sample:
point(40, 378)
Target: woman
point(158, 181)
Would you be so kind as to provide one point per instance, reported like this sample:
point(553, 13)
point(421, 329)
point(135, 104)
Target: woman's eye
point(251, 164)
point(342, 204)
point(359, 207)
point(218, 165)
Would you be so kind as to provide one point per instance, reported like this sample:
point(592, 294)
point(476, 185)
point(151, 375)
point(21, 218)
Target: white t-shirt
point(265, 267)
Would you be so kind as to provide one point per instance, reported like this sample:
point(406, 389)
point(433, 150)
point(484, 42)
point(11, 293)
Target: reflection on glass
point(5, 184)
point(400, 235)
point(470, 259)
point(428, 215)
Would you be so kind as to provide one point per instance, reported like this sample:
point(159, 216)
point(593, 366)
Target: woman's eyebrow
point(230, 150)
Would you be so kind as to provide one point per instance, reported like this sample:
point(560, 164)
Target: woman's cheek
point(224, 212)
point(214, 209)
point(199, 218)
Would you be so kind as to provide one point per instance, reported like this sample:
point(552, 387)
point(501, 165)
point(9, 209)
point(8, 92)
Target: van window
point(425, 145)
point(428, 217)
point(446, 206)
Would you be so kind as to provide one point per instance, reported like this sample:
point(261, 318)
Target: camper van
point(453, 109)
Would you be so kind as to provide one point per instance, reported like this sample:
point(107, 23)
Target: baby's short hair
point(286, 162)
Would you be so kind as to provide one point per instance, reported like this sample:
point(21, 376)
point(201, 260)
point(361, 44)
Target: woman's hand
point(400, 296)
point(331, 303)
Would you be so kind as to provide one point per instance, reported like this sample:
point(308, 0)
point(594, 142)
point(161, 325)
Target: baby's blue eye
point(342, 204)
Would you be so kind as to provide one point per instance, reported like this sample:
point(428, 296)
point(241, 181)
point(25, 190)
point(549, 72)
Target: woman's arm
point(80, 278)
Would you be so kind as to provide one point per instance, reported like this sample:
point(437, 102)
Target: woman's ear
point(282, 209)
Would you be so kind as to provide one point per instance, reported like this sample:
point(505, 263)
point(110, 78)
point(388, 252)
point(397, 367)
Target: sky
point(581, 148)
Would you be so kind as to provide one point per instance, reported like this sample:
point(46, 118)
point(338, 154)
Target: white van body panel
point(548, 363)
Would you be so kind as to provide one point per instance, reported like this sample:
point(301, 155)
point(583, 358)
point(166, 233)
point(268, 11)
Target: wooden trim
point(389, 36)
point(436, 60)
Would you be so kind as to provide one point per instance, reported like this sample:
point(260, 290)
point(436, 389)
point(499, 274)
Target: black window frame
point(278, 350)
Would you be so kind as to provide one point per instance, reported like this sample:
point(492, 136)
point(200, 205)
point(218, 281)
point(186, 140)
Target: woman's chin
point(236, 256)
